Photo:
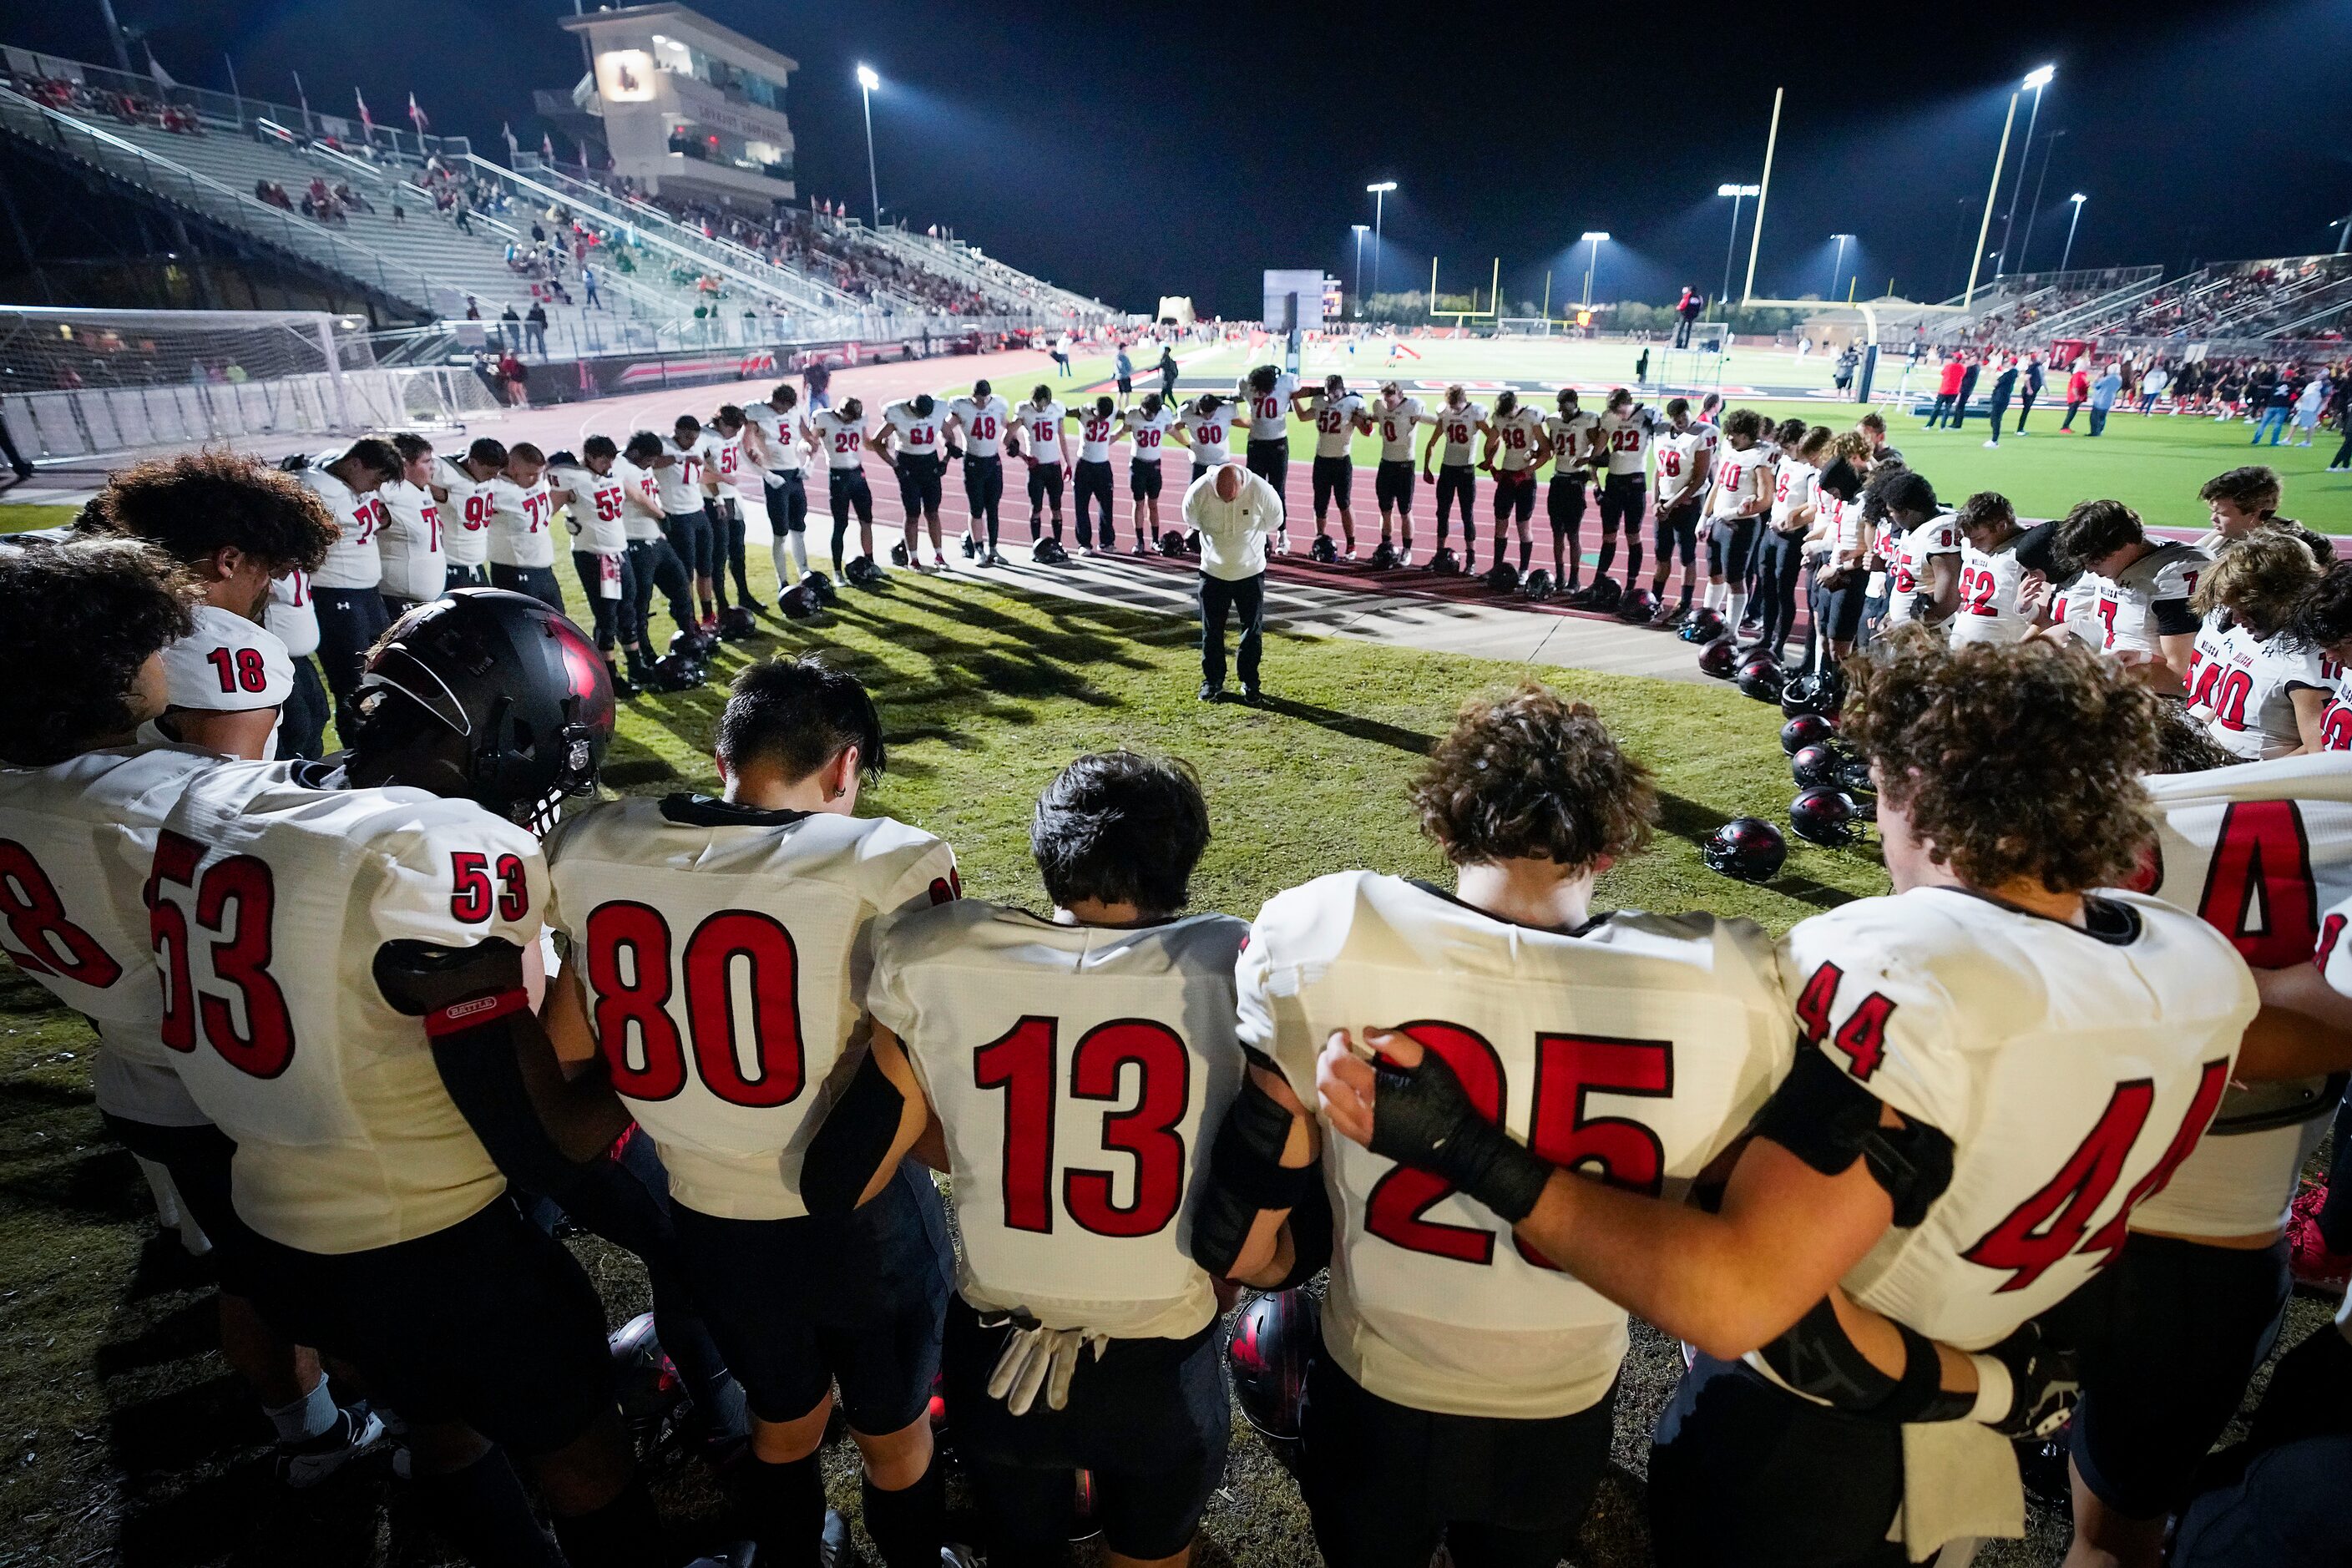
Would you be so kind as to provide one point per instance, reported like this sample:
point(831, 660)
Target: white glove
point(1034, 1356)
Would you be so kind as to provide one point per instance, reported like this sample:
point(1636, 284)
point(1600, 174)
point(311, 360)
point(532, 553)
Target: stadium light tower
point(1596, 238)
point(1837, 264)
point(2078, 198)
point(1359, 269)
point(1737, 193)
point(866, 82)
point(1380, 199)
point(2037, 80)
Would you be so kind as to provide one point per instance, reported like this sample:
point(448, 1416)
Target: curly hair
point(196, 505)
point(1787, 434)
point(1984, 509)
point(1744, 422)
point(2016, 761)
point(78, 619)
point(2095, 530)
point(2253, 488)
point(2323, 619)
point(2262, 581)
point(1533, 776)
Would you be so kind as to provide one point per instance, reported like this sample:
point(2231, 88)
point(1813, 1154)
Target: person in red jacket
point(1948, 392)
point(2078, 393)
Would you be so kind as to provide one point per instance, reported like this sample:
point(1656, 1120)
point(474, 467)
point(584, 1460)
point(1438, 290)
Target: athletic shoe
point(2041, 1466)
point(971, 549)
point(1669, 615)
point(357, 1433)
point(751, 604)
point(939, 561)
point(2308, 1257)
point(1249, 696)
point(832, 1547)
point(1992, 443)
point(1212, 692)
point(992, 559)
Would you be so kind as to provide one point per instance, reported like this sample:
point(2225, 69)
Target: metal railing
point(200, 194)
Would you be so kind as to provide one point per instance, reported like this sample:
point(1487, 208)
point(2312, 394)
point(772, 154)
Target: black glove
point(2044, 1382)
point(1422, 1117)
point(419, 977)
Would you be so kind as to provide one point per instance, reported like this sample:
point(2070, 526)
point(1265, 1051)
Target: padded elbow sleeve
point(1310, 1237)
point(1829, 1122)
point(478, 1067)
point(1246, 1176)
point(849, 1149)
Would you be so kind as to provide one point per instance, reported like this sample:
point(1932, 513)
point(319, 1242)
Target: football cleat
point(1816, 764)
point(1746, 848)
point(1669, 616)
point(1760, 677)
point(2310, 1259)
point(1536, 585)
point(357, 1432)
point(864, 573)
point(1805, 730)
point(1443, 562)
point(1703, 626)
point(1502, 577)
point(1323, 551)
point(1719, 658)
point(735, 624)
point(970, 548)
point(1384, 557)
point(899, 555)
point(1823, 814)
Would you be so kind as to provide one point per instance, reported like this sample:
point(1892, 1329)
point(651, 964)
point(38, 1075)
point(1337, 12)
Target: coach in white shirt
point(1235, 513)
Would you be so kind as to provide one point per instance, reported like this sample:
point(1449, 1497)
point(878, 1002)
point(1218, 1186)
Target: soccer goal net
point(87, 383)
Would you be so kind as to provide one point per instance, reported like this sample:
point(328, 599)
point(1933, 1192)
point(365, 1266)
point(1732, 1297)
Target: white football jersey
point(2242, 688)
point(2077, 611)
point(1741, 480)
point(983, 425)
point(409, 549)
point(1148, 433)
point(1395, 424)
point(1094, 434)
point(273, 892)
point(2258, 851)
point(2072, 1070)
point(1208, 433)
point(844, 442)
point(2336, 724)
point(1459, 429)
point(1081, 1073)
point(725, 953)
point(1516, 435)
point(291, 618)
point(228, 664)
point(1041, 431)
point(1269, 411)
point(1635, 1050)
point(680, 481)
point(1792, 488)
point(520, 523)
point(593, 513)
point(2128, 604)
point(781, 435)
point(465, 520)
point(1989, 584)
point(729, 464)
point(1626, 438)
point(1572, 437)
point(1907, 575)
point(919, 434)
point(77, 843)
point(1678, 453)
point(1335, 422)
point(352, 560)
point(641, 511)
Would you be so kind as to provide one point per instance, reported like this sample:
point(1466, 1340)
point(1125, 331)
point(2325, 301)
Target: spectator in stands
point(399, 212)
point(534, 328)
point(516, 379)
point(2078, 392)
point(588, 281)
point(2276, 403)
point(2103, 393)
point(510, 327)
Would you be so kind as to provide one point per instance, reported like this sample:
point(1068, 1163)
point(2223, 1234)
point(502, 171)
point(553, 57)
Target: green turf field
point(15, 518)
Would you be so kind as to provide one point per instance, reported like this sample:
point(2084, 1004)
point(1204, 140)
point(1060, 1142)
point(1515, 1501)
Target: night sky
point(1134, 150)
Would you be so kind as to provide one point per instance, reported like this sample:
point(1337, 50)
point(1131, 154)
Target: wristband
point(1996, 1391)
point(473, 1012)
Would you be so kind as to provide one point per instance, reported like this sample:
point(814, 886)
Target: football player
point(1621, 436)
point(1992, 571)
point(2324, 621)
point(2240, 500)
point(2143, 587)
point(1205, 428)
point(1780, 549)
point(2260, 694)
point(1516, 446)
point(685, 508)
point(522, 528)
point(1469, 1386)
point(1997, 1065)
point(1571, 433)
point(1923, 579)
point(1836, 554)
point(1090, 481)
point(653, 561)
point(344, 589)
point(347, 951)
point(731, 470)
point(720, 952)
point(83, 626)
point(1743, 494)
point(1457, 421)
point(414, 566)
point(289, 617)
point(236, 526)
point(1396, 415)
point(841, 434)
point(1083, 1333)
point(775, 443)
point(1685, 467)
point(594, 501)
point(462, 487)
point(1338, 415)
point(1039, 442)
point(914, 426)
point(1146, 426)
point(1270, 395)
point(982, 420)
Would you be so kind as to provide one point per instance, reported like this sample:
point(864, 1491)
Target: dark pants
point(1093, 483)
point(653, 565)
point(2098, 420)
point(2342, 454)
point(2068, 422)
point(1623, 499)
point(1779, 559)
point(538, 582)
point(1245, 599)
point(2024, 407)
point(984, 494)
point(727, 550)
point(1270, 460)
point(2000, 412)
point(788, 504)
point(349, 620)
point(1457, 482)
point(302, 721)
point(845, 489)
point(615, 618)
point(1943, 407)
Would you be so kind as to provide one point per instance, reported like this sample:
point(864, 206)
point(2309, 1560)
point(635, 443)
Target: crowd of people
point(81, 97)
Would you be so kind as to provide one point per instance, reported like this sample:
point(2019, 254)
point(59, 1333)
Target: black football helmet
point(1323, 551)
point(1171, 544)
point(1747, 848)
point(1760, 677)
point(1805, 730)
point(676, 672)
point(1536, 585)
point(1384, 557)
point(899, 556)
point(689, 643)
point(862, 573)
point(489, 696)
point(1048, 552)
point(1703, 625)
point(1503, 577)
point(1825, 815)
point(1719, 658)
point(1443, 562)
point(1818, 692)
point(1274, 1339)
point(822, 587)
point(1604, 595)
point(1815, 764)
point(798, 602)
point(735, 624)
point(1637, 605)
point(646, 1384)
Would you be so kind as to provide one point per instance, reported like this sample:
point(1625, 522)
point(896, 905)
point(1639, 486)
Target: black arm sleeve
point(1310, 1235)
point(2174, 618)
point(1829, 1122)
point(849, 1149)
point(478, 1067)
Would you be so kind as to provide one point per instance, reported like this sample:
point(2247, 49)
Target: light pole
point(1837, 264)
point(1992, 199)
point(1359, 269)
point(2078, 198)
point(866, 82)
point(1595, 237)
point(2037, 80)
point(1380, 199)
point(2025, 251)
point(1735, 193)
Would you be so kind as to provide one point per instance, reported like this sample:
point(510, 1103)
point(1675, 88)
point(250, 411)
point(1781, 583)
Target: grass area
point(18, 516)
